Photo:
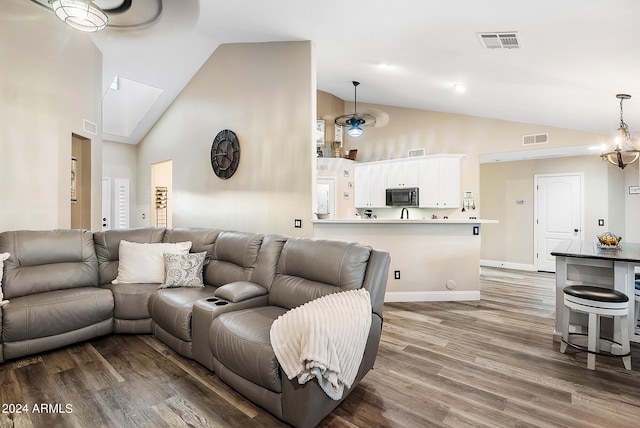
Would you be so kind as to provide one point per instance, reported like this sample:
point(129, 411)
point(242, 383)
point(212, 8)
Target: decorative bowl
point(609, 240)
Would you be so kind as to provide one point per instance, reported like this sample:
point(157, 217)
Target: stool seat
point(598, 302)
point(597, 294)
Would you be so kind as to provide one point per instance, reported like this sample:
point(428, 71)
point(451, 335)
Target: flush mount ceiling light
point(624, 151)
point(355, 121)
point(82, 15)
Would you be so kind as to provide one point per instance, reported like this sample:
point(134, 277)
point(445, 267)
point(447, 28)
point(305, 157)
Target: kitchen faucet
point(402, 213)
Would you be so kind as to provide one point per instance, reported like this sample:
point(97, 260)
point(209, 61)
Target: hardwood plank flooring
point(490, 363)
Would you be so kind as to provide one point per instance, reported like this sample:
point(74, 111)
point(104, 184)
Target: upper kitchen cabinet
point(440, 181)
point(370, 185)
point(403, 173)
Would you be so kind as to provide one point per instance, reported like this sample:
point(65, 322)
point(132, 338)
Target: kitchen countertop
point(405, 221)
point(628, 252)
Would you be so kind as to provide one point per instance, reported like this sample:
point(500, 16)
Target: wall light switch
point(600, 222)
point(297, 223)
point(396, 274)
point(476, 230)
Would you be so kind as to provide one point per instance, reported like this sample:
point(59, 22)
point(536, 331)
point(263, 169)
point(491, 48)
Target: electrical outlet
point(396, 274)
point(600, 222)
point(297, 223)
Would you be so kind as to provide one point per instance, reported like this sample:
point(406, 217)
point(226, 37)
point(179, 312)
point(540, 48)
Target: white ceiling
point(575, 55)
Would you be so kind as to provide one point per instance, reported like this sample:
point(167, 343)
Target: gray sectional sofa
point(60, 290)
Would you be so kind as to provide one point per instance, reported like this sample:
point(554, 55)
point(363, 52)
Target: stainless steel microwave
point(404, 197)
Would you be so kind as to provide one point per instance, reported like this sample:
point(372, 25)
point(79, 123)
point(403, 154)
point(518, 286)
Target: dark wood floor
point(457, 364)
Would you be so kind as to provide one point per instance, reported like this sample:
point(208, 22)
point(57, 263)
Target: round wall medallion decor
point(225, 154)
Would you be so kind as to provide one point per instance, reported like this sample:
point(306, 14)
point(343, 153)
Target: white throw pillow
point(183, 270)
point(144, 263)
point(3, 257)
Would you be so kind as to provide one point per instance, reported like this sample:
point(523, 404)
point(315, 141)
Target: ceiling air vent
point(89, 127)
point(528, 140)
point(499, 40)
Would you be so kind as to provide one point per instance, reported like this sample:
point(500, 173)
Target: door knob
point(576, 230)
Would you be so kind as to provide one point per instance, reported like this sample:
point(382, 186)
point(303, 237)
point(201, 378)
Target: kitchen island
point(584, 263)
point(431, 259)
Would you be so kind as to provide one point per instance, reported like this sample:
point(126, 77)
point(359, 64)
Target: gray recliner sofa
point(60, 291)
point(51, 284)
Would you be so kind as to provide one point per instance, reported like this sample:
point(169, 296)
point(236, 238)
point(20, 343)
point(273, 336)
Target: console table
point(583, 262)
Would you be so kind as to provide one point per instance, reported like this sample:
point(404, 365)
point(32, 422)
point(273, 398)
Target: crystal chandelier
point(624, 151)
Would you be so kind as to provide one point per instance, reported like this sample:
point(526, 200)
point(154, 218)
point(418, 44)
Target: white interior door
point(559, 215)
point(326, 195)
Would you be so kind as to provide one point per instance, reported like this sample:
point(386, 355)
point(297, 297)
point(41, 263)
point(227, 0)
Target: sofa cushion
point(47, 260)
point(240, 340)
point(234, 258)
point(311, 268)
point(3, 257)
point(144, 263)
point(201, 239)
point(107, 246)
point(55, 312)
point(131, 300)
point(183, 270)
point(171, 309)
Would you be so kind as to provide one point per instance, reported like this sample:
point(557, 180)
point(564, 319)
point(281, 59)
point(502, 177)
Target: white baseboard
point(430, 296)
point(508, 265)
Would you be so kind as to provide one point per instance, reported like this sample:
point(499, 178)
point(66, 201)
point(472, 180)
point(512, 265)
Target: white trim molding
point(509, 265)
point(431, 296)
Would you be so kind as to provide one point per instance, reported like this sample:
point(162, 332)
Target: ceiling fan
point(355, 121)
point(94, 15)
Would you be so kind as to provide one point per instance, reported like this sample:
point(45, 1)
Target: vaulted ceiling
point(573, 56)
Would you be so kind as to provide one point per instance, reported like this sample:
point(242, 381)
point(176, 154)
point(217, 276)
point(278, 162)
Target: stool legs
point(566, 314)
point(626, 346)
point(593, 340)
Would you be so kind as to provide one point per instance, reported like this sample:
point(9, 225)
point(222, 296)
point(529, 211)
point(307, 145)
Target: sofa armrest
point(239, 291)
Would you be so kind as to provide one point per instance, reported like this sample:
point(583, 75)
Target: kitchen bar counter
point(583, 262)
point(405, 221)
point(431, 259)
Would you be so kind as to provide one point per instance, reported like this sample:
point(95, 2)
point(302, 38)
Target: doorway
point(326, 195)
point(80, 182)
point(559, 214)
point(161, 193)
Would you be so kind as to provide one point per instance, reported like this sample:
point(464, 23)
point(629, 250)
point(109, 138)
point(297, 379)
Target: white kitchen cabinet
point(440, 181)
point(370, 185)
point(403, 173)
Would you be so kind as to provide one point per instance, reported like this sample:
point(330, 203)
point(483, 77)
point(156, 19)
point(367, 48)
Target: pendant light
point(355, 121)
point(624, 151)
point(82, 15)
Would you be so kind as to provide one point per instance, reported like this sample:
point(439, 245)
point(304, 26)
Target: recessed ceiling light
point(459, 87)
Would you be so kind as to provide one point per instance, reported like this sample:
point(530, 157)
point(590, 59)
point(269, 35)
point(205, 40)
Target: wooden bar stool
point(597, 302)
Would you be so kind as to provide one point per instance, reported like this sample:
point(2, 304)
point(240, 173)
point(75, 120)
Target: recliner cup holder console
point(216, 301)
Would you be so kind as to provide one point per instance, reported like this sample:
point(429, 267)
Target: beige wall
point(503, 184)
point(50, 80)
point(266, 94)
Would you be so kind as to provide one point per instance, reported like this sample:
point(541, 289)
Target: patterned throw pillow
point(183, 270)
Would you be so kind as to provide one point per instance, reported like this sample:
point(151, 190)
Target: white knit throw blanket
point(324, 339)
